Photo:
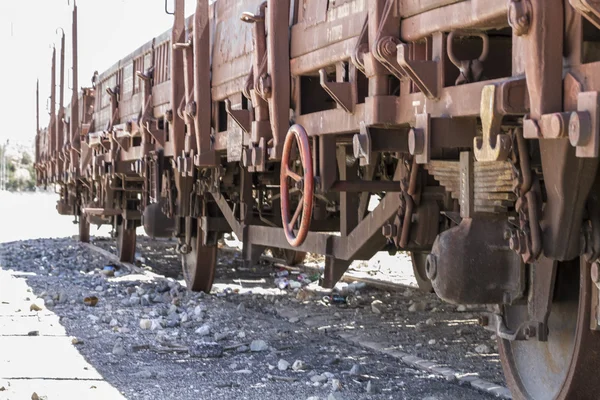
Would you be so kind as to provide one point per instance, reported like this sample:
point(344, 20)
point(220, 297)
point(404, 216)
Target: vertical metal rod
point(52, 125)
point(177, 126)
point(61, 96)
point(37, 121)
point(202, 93)
point(278, 59)
point(37, 106)
point(75, 139)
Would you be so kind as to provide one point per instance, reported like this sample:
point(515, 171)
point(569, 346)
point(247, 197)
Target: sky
point(108, 31)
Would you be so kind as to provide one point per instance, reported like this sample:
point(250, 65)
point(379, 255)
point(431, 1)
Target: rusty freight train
point(474, 123)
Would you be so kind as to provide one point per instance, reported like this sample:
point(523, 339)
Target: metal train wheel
point(125, 241)
point(304, 183)
point(84, 229)
point(291, 257)
point(419, 263)
point(199, 266)
point(565, 366)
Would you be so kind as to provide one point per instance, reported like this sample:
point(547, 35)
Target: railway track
point(382, 345)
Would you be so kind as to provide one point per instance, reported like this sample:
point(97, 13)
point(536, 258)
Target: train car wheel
point(125, 241)
point(419, 263)
point(84, 229)
point(199, 266)
point(291, 257)
point(564, 367)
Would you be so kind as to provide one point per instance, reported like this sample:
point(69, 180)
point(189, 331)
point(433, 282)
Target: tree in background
point(20, 174)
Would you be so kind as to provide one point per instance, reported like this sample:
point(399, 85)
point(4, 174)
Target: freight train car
point(474, 123)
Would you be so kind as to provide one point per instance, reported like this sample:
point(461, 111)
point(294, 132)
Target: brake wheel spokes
point(304, 183)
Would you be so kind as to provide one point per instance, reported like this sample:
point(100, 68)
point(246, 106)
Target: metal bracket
point(242, 118)
point(494, 146)
point(361, 145)
point(419, 139)
point(340, 92)
point(590, 9)
point(424, 74)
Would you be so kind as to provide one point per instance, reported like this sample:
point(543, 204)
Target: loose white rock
point(482, 349)
point(418, 306)
point(145, 324)
point(204, 330)
point(298, 365)
point(258, 345)
point(377, 307)
point(283, 365)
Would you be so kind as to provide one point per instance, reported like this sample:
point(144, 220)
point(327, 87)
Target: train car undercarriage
point(463, 131)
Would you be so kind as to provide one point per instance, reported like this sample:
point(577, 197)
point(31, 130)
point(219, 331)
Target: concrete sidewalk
point(47, 364)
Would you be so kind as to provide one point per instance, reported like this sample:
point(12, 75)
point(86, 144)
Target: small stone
point(258, 345)
point(118, 349)
point(318, 378)
point(482, 349)
point(418, 306)
point(33, 333)
point(198, 311)
point(298, 365)
point(49, 303)
point(113, 322)
point(204, 330)
point(62, 298)
point(461, 308)
point(243, 349)
point(241, 307)
point(144, 374)
point(155, 325)
point(432, 342)
point(335, 396)
point(145, 324)
point(184, 317)
point(145, 300)
point(356, 370)
point(206, 350)
point(283, 365)
point(372, 388)
point(430, 322)
point(377, 307)
point(221, 336)
point(36, 307)
point(336, 385)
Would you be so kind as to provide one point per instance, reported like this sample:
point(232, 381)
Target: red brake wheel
point(302, 182)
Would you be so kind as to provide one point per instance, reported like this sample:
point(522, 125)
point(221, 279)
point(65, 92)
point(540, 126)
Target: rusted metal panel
point(470, 14)
point(343, 22)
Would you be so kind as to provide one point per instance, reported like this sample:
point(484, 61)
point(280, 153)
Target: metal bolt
point(580, 129)
point(595, 273)
point(518, 16)
point(264, 85)
point(529, 331)
point(416, 141)
point(431, 267)
point(388, 230)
